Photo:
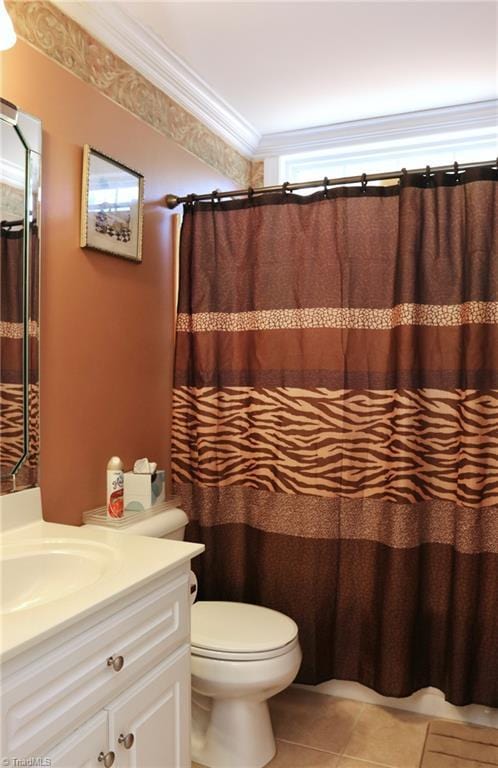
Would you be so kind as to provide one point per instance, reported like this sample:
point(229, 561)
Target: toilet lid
point(239, 627)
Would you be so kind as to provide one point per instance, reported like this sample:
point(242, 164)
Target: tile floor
point(318, 731)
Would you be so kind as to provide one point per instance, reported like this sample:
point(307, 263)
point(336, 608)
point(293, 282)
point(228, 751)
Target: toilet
point(242, 655)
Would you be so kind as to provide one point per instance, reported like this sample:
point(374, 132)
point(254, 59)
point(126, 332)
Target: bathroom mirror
point(20, 173)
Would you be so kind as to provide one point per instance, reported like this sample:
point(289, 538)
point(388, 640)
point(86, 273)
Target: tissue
point(144, 467)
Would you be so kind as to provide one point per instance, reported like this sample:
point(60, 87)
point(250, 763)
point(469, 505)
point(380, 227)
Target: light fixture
point(7, 34)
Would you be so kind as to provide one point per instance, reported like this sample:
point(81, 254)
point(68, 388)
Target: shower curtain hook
point(456, 172)
point(325, 185)
point(428, 182)
point(364, 182)
point(250, 194)
point(284, 188)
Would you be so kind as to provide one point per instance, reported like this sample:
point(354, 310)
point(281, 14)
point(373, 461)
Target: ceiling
point(294, 65)
point(282, 66)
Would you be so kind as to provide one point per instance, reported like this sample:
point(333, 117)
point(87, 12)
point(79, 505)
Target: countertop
point(135, 560)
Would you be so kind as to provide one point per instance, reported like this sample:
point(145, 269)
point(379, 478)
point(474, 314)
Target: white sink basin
point(38, 572)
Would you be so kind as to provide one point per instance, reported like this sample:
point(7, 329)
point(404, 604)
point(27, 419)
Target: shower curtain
point(335, 427)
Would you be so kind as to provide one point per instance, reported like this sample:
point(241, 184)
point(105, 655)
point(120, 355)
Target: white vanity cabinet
point(82, 748)
point(112, 689)
point(147, 722)
point(142, 728)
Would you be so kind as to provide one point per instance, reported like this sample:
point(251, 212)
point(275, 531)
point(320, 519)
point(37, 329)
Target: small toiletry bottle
point(115, 483)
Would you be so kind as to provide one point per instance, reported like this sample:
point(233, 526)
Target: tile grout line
point(363, 705)
point(367, 762)
point(328, 751)
point(372, 762)
point(350, 732)
point(308, 746)
point(335, 754)
point(426, 739)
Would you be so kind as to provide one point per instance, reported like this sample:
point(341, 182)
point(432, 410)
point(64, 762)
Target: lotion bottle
point(115, 487)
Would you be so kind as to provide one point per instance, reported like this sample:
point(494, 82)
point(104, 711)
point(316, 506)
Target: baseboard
point(428, 701)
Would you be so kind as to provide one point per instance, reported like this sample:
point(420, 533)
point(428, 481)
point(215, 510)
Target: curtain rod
point(173, 200)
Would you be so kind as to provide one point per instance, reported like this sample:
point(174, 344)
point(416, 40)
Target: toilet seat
point(210, 653)
point(240, 631)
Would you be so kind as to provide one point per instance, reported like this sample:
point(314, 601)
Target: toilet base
point(231, 733)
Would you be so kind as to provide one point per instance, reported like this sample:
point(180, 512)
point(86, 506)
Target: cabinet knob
point(126, 741)
point(107, 758)
point(116, 662)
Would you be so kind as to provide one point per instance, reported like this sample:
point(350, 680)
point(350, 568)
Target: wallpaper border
point(49, 30)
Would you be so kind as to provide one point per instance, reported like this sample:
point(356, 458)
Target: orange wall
point(106, 324)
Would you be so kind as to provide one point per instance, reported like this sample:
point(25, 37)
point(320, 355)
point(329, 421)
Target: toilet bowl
point(242, 655)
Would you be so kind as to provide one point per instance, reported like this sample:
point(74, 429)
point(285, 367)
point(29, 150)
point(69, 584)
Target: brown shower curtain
point(335, 437)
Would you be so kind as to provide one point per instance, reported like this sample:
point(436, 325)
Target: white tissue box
point(141, 492)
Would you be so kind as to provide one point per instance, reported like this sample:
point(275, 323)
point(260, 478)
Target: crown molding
point(12, 174)
point(146, 53)
point(464, 117)
point(143, 50)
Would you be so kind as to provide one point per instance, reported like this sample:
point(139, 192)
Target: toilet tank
point(165, 524)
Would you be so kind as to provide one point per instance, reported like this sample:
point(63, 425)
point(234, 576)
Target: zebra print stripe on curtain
point(335, 437)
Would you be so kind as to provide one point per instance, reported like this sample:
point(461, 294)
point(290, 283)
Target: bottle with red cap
point(115, 488)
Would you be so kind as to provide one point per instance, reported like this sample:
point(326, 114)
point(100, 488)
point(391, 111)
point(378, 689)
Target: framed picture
point(111, 206)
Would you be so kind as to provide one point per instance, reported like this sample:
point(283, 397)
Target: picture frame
point(111, 206)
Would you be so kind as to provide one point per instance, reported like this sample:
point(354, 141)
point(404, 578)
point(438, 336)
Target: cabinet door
point(149, 725)
point(82, 748)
